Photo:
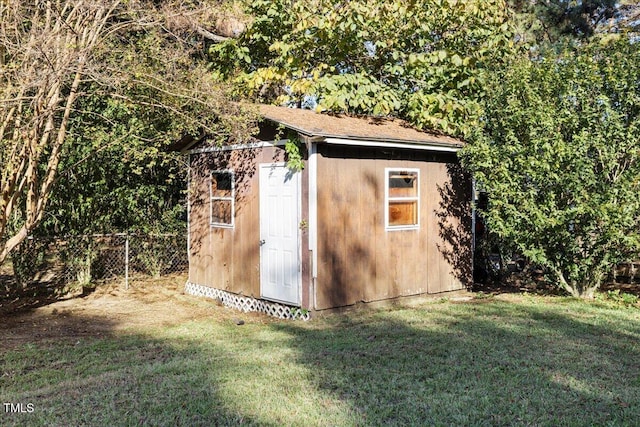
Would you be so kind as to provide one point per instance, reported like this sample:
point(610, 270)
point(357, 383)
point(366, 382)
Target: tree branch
point(209, 35)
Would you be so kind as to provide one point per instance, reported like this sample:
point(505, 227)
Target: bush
point(559, 155)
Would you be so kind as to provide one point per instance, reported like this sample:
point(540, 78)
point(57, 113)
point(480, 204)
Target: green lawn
point(512, 360)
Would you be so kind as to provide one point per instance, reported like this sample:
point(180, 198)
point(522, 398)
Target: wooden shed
point(379, 211)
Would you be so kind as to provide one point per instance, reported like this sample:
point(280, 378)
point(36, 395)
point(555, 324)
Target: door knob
point(262, 242)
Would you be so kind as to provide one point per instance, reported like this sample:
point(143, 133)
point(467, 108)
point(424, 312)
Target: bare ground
point(111, 309)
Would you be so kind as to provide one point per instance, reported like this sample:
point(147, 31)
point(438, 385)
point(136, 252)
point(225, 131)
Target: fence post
point(126, 261)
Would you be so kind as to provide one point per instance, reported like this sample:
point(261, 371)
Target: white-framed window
point(222, 198)
point(402, 199)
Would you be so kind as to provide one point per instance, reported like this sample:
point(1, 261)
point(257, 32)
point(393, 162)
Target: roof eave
point(367, 141)
point(394, 143)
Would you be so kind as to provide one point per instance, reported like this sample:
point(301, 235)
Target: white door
point(280, 269)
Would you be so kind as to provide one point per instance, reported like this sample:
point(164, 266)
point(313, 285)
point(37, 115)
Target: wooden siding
point(358, 259)
point(226, 258)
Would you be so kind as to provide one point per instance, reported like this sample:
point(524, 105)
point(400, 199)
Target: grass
point(517, 360)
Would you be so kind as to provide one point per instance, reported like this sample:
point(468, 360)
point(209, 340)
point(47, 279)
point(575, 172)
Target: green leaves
point(114, 175)
point(295, 158)
point(358, 93)
point(372, 57)
point(559, 154)
point(553, 20)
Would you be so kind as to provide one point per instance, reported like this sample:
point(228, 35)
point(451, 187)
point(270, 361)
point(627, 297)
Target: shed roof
point(314, 124)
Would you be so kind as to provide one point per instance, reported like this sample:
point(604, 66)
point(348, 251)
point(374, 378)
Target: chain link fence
point(64, 262)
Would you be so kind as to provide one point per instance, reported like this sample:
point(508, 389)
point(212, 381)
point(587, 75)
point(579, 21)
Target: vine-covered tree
point(559, 155)
point(422, 60)
point(97, 73)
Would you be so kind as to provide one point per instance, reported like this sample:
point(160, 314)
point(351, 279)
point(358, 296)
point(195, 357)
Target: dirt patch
point(111, 309)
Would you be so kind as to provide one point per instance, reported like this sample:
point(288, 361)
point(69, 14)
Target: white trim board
point(412, 146)
point(251, 145)
point(313, 207)
point(335, 141)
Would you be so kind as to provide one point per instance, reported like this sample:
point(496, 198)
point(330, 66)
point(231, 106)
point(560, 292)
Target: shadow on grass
point(473, 363)
point(477, 364)
point(93, 375)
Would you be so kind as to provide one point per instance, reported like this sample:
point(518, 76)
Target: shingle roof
point(314, 124)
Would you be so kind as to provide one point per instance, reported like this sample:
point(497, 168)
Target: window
point(402, 199)
point(222, 198)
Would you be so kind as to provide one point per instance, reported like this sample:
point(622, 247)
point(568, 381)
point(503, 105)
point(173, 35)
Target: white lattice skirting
point(247, 304)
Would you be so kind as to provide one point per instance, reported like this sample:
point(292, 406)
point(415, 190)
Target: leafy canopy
point(551, 21)
point(121, 78)
point(422, 60)
point(115, 174)
point(559, 154)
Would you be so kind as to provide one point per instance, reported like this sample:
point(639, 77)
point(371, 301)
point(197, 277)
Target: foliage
point(422, 60)
point(295, 161)
point(559, 155)
point(80, 254)
point(116, 176)
point(28, 260)
point(158, 255)
point(551, 20)
point(44, 64)
point(124, 77)
point(622, 298)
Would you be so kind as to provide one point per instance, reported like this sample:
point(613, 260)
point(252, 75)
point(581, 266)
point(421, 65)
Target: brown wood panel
point(198, 221)
point(371, 213)
point(224, 258)
point(361, 261)
point(405, 271)
point(450, 229)
point(245, 255)
point(333, 211)
point(437, 278)
point(383, 282)
point(359, 254)
point(346, 220)
point(358, 259)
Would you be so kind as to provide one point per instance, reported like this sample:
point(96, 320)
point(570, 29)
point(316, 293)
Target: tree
point(61, 58)
point(116, 177)
point(422, 60)
point(549, 21)
point(559, 155)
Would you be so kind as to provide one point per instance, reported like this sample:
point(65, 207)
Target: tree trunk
point(585, 289)
point(38, 96)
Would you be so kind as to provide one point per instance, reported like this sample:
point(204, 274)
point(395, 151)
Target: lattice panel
point(247, 304)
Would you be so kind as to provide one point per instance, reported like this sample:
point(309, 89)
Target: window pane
point(221, 184)
point(403, 213)
point(221, 211)
point(403, 184)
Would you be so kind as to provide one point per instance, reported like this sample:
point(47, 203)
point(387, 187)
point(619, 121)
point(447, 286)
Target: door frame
point(298, 177)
